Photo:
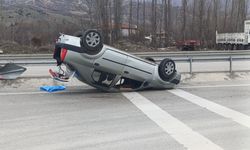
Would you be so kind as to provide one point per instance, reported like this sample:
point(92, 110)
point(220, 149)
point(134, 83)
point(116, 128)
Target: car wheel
point(150, 59)
point(93, 42)
point(167, 69)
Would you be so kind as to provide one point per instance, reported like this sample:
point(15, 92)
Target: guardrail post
point(231, 64)
point(191, 65)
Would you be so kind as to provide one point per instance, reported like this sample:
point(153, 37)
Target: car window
point(103, 78)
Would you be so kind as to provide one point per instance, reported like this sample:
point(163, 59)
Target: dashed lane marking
point(214, 107)
point(214, 86)
point(175, 128)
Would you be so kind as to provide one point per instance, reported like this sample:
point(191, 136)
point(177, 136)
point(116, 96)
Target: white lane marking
point(181, 87)
point(213, 86)
point(216, 108)
point(34, 93)
point(175, 128)
point(21, 93)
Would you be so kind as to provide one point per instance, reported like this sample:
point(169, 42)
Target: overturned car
point(109, 69)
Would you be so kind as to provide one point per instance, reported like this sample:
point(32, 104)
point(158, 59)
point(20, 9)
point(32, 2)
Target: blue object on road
point(51, 89)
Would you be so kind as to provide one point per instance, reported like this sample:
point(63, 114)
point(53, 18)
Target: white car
point(108, 68)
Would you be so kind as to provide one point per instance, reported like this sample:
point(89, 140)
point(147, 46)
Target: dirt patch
point(132, 46)
point(125, 45)
point(214, 77)
point(187, 79)
point(34, 83)
point(15, 48)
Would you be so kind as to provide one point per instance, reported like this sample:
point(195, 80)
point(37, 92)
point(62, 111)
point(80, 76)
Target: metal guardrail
point(230, 59)
point(188, 57)
point(144, 54)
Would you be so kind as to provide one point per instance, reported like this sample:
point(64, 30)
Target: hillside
point(60, 6)
point(37, 23)
point(40, 15)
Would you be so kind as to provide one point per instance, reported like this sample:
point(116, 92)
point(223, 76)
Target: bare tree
point(193, 24)
point(233, 13)
point(1, 19)
point(90, 10)
point(215, 19)
point(165, 18)
point(102, 11)
point(161, 21)
point(117, 18)
point(1, 10)
point(201, 7)
point(144, 16)
point(138, 13)
point(153, 22)
point(184, 17)
point(241, 15)
point(169, 17)
point(208, 30)
point(194, 19)
point(224, 28)
point(130, 16)
point(110, 19)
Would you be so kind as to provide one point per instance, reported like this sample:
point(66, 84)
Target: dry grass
point(15, 48)
point(125, 45)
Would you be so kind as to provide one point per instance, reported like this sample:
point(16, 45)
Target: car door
point(138, 69)
point(111, 61)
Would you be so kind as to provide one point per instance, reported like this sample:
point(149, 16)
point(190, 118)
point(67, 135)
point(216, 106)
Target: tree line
point(162, 20)
point(192, 19)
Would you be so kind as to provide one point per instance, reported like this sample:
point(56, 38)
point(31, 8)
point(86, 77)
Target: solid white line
point(175, 128)
point(181, 87)
point(22, 93)
point(213, 86)
point(216, 108)
point(34, 93)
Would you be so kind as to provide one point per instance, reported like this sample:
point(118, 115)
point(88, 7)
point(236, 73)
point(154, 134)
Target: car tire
point(150, 59)
point(167, 69)
point(92, 40)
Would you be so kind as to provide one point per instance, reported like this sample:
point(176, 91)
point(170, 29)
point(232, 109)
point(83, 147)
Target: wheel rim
point(93, 39)
point(169, 68)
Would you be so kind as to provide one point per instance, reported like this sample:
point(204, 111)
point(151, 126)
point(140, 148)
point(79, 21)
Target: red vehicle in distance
point(188, 45)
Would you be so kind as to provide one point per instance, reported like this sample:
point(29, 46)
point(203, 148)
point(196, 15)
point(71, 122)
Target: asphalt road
point(211, 116)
